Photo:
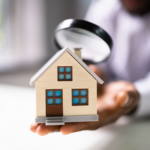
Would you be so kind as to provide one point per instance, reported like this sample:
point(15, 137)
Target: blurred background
point(26, 29)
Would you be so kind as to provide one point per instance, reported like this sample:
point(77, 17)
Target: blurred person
point(128, 68)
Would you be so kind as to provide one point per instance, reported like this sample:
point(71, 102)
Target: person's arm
point(143, 87)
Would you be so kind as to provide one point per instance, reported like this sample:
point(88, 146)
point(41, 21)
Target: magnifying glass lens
point(95, 48)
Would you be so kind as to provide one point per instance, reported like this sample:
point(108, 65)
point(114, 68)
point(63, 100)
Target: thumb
point(122, 98)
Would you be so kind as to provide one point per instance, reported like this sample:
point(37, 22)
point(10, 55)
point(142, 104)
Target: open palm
point(114, 100)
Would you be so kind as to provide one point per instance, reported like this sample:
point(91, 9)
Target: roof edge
point(99, 80)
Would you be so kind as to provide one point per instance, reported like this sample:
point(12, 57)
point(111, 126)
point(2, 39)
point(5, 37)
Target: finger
point(127, 98)
point(34, 126)
point(128, 101)
point(122, 98)
point(43, 129)
point(133, 101)
point(73, 127)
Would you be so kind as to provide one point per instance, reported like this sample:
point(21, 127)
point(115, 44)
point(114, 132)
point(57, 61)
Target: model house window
point(79, 97)
point(65, 73)
point(54, 97)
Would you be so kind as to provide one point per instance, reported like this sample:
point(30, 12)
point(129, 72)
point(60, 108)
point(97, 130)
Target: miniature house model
point(66, 90)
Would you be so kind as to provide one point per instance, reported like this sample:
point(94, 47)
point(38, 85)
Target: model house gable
point(65, 70)
point(65, 60)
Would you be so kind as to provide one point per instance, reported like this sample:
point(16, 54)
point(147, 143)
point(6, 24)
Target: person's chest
point(130, 59)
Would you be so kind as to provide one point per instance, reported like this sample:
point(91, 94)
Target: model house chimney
point(77, 51)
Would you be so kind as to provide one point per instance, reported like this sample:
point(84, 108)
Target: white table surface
point(17, 111)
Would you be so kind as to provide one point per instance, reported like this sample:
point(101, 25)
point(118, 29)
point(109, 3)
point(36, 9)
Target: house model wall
point(81, 79)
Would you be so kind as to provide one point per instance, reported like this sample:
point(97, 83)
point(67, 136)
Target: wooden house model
point(66, 90)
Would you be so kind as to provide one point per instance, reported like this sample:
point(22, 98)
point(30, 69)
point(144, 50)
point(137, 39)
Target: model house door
point(54, 102)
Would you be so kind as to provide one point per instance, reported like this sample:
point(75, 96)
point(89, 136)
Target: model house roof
point(56, 57)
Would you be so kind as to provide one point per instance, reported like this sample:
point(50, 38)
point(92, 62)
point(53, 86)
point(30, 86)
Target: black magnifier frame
point(85, 25)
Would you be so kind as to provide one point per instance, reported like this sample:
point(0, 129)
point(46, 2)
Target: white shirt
point(130, 59)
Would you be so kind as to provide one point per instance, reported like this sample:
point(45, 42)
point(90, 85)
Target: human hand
point(114, 100)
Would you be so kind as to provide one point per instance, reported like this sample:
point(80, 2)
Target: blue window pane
point(75, 100)
point(61, 69)
point(83, 93)
point(57, 101)
point(75, 93)
point(61, 77)
point(68, 69)
point(83, 100)
point(50, 93)
point(50, 101)
point(68, 76)
point(57, 93)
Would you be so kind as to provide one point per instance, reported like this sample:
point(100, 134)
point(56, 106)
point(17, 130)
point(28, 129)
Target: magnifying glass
point(96, 43)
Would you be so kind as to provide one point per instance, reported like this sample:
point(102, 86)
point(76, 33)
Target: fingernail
point(126, 102)
point(122, 98)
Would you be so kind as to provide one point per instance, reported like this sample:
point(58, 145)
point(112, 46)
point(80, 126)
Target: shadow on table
point(135, 135)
